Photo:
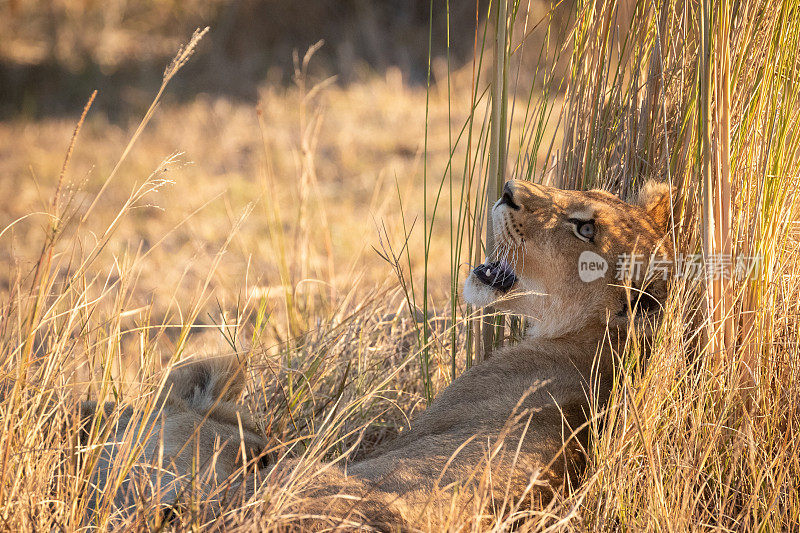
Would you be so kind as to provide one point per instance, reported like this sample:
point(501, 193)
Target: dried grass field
point(321, 229)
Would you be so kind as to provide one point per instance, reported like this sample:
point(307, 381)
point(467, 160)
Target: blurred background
point(322, 153)
point(55, 52)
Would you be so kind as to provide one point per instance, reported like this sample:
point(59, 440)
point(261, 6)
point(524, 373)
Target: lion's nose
point(508, 197)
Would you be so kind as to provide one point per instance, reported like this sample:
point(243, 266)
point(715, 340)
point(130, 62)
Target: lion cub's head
point(573, 260)
point(193, 438)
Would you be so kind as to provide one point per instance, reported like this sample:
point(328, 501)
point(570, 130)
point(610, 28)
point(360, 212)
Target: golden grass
point(263, 246)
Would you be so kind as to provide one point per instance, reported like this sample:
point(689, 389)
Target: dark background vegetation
point(53, 53)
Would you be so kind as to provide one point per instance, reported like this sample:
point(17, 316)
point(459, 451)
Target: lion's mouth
point(499, 275)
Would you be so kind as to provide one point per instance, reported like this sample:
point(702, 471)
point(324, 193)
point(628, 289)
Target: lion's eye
point(584, 229)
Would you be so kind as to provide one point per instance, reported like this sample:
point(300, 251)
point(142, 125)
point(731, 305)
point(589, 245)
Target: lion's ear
point(658, 199)
point(203, 382)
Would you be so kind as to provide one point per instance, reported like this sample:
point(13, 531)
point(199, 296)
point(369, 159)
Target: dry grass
point(263, 246)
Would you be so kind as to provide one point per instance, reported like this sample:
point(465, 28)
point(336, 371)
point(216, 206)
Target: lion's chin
point(478, 293)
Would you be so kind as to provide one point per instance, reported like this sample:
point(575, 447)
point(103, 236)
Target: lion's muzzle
point(498, 275)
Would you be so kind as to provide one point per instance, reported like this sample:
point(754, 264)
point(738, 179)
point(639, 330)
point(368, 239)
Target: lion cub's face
point(195, 439)
point(564, 257)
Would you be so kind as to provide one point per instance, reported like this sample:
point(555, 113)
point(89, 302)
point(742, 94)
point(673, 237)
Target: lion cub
point(193, 438)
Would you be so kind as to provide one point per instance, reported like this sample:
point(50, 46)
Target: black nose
point(508, 197)
point(497, 275)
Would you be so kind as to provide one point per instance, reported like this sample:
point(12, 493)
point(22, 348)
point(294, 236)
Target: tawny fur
point(193, 437)
point(511, 425)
